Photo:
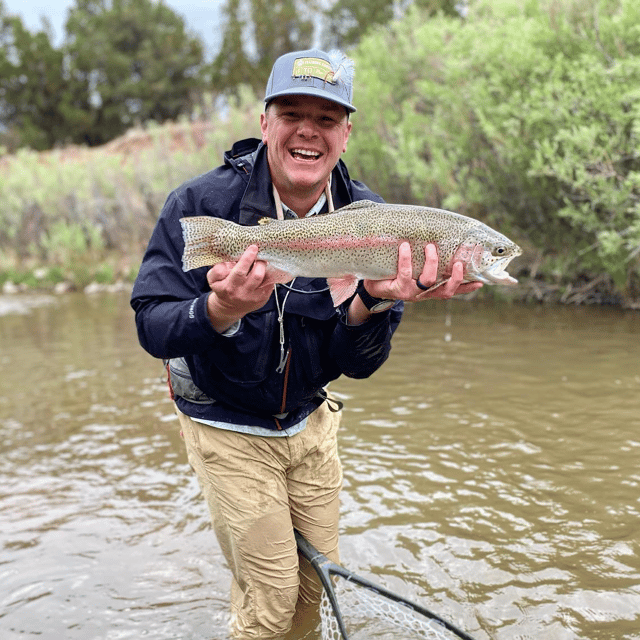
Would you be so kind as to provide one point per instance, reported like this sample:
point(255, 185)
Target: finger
point(219, 272)
point(399, 287)
point(452, 287)
point(258, 272)
point(457, 276)
point(429, 275)
point(246, 261)
point(405, 271)
point(444, 294)
point(253, 278)
point(403, 285)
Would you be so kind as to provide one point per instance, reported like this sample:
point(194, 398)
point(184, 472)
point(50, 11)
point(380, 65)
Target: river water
point(491, 472)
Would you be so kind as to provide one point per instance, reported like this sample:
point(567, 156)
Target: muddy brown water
point(491, 472)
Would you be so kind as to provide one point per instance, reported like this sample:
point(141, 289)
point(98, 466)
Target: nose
point(307, 128)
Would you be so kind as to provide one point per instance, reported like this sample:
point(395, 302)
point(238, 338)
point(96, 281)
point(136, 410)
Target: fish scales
point(359, 241)
point(369, 244)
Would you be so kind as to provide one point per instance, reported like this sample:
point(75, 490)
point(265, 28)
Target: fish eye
point(499, 251)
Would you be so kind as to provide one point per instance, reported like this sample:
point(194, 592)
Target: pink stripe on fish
point(344, 242)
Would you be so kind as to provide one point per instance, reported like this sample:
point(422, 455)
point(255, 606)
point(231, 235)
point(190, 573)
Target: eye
point(499, 251)
point(327, 121)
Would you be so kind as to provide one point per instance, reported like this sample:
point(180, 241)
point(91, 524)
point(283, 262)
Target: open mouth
point(496, 272)
point(305, 155)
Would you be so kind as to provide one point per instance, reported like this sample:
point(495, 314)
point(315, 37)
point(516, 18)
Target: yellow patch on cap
point(313, 68)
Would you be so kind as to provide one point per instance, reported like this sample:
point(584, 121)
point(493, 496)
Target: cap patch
point(313, 68)
point(312, 73)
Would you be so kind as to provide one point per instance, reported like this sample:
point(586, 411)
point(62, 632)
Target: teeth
point(304, 152)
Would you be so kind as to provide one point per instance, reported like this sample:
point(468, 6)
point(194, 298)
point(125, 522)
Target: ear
point(346, 137)
point(263, 127)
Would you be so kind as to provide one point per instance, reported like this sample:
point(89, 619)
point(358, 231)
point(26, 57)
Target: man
point(249, 366)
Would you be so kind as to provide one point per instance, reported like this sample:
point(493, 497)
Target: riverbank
point(79, 219)
point(527, 291)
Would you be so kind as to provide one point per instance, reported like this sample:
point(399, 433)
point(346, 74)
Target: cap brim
point(312, 91)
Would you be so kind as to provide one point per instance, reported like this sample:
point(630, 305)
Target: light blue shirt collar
point(317, 207)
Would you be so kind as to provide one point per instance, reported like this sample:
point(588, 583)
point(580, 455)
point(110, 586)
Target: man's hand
point(236, 289)
point(404, 287)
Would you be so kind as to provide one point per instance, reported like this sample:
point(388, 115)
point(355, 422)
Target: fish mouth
point(305, 155)
point(496, 274)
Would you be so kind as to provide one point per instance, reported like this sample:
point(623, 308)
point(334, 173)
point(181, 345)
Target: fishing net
point(368, 615)
point(354, 608)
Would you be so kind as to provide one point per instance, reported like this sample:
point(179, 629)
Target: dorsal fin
point(354, 206)
point(360, 204)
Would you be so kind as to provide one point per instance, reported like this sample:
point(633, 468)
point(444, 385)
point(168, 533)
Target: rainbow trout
point(357, 242)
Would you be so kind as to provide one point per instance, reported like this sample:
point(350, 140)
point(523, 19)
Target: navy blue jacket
point(239, 371)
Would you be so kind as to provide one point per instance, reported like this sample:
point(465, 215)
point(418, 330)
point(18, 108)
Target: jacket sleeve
point(170, 307)
point(361, 349)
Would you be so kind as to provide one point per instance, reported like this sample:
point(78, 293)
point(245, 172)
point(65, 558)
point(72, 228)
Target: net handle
point(325, 567)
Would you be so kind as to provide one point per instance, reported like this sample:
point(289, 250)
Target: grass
point(78, 215)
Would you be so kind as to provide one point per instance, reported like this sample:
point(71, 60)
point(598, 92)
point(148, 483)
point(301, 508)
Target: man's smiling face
point(305, 137)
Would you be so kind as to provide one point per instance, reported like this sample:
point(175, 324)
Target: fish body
point(357, 242)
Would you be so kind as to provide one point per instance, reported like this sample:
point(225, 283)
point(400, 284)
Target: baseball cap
point(313, 73)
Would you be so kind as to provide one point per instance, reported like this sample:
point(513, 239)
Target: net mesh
point(367, 616)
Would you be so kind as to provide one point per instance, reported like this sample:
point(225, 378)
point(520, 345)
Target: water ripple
point(490, 472)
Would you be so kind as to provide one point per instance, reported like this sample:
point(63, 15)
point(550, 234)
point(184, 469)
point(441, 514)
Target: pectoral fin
point(436, 285)
point(342, 289)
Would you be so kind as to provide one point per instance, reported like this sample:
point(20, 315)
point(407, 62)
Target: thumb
point(219, 272)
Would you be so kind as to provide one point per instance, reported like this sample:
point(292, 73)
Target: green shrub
point(524, 114)
point(74, 207)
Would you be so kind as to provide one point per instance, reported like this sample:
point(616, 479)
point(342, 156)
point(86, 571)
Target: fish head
point(486, 254)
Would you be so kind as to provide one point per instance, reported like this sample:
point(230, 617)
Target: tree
point(36, 105)
point(130, 61)
point(232, 67)
point(250, 44)
point(279, 27)
point(347, 21)
point(524, 115)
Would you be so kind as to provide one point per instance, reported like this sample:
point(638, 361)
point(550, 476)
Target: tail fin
point(201, 244)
